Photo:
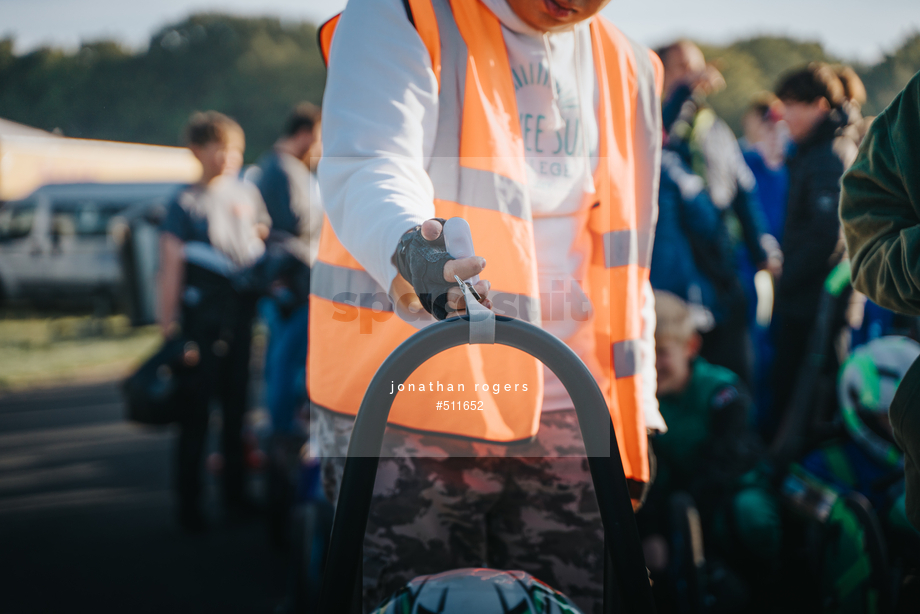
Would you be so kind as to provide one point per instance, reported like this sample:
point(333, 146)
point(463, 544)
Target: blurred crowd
point(231, 248)
point(774, 376)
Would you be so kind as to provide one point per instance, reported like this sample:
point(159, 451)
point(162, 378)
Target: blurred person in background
point(765, 144)
point(880, 212)
point(864, 458)
point(706, 141)
point(711, 453)
point(212, 228)
point(813, 99)
point(693, 254)
point(291, 194)
point(854, 97)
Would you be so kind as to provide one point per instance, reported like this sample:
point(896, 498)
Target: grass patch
point(40, 351)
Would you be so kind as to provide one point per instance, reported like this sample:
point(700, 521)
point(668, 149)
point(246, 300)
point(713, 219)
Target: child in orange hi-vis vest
point(538, 123)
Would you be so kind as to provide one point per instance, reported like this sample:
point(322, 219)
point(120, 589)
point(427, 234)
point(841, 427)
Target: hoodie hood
point(509, 19)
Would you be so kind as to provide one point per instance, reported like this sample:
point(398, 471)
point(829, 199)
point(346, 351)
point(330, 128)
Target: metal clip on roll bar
point(626, 585)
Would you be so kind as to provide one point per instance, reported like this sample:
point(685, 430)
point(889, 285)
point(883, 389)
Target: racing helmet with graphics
point(868, 381)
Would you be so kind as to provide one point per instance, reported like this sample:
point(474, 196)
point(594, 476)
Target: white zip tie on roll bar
point(482, 319)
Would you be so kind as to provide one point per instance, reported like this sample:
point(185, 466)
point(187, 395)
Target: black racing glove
point(421, 262)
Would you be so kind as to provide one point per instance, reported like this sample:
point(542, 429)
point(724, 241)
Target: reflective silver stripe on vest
point(627, 358)
point(357, 288)
point(648, 141)
point(621, 248)
point(443, 167)
point(348, 286)
point(488, 190)
point(453, 182)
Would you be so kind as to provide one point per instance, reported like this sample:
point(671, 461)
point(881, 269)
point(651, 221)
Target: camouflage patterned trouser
point(527, 506)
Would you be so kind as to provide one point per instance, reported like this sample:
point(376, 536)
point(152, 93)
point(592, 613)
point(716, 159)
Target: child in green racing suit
point(709, 451)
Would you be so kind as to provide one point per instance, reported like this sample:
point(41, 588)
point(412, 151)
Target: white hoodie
point(380, 114)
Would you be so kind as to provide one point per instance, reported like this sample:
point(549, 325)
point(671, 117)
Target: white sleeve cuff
point(653, 420)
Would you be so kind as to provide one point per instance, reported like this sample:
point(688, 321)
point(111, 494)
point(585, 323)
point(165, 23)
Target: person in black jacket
point(813, 100)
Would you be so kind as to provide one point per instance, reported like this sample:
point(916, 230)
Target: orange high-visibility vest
point(478, 172)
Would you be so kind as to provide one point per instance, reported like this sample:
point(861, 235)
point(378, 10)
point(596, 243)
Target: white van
point(61, 243)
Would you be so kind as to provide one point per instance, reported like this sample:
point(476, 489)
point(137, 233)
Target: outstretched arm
point(380, 111)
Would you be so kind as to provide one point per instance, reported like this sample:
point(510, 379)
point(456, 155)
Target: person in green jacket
point(709, 451)
point(880, 213)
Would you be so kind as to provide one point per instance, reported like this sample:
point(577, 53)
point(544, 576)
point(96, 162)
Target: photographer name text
point(439, 387)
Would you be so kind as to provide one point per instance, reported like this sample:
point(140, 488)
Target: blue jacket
point(773, 189)
point(275, 187)
point(712, 152)
point(688, 237)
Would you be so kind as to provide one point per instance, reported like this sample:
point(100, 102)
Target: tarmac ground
point(87, 521)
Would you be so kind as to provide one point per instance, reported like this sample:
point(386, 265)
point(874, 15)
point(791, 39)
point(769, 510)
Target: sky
point(852, 29)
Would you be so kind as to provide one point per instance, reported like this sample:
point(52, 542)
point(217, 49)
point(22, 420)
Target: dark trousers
point(222, 373)
point(792, 338)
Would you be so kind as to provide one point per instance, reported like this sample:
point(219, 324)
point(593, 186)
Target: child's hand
point(423, 261)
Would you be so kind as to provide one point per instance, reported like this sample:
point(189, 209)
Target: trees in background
point(884, 80)
point(253, 69)
point(256, 69)
point(756, 64)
